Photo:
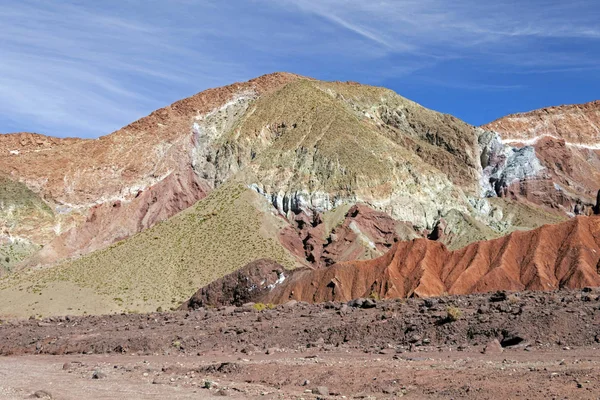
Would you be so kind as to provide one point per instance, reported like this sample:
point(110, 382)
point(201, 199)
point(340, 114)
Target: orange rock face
point(547, 258)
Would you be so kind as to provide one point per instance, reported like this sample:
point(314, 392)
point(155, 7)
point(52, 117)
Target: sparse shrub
point(374, 295)
point(513, 299)
point(453, 314)
point(262, 306)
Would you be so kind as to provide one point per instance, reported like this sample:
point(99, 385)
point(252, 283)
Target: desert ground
point(529, 345)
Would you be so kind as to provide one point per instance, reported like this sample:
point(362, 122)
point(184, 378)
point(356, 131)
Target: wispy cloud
point(70, 70)
point(438, 26)
point(87, 68)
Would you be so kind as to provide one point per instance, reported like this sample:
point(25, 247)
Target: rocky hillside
point(307, 146)
point(566, 140)
point(563, 255)
point(577, 124)
point(107, 189)
point(324, 172)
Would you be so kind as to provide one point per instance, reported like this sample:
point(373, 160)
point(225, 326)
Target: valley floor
point(515, 374)
point(408, 348)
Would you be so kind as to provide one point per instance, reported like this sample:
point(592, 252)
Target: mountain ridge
point(341, 170)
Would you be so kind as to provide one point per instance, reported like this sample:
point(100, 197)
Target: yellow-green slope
point(160, 267)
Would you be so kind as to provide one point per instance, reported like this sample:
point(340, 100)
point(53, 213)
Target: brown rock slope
point(550, 257)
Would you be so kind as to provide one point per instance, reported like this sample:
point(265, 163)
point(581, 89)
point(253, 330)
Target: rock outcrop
point(576, 124)
point(556, 256)
point(240, 287)
point(360, 233)
point(566, 140)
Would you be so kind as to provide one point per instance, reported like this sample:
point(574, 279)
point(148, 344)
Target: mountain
point(104, 190)
point(321, 173)
point(564, 255)
point(308, 146)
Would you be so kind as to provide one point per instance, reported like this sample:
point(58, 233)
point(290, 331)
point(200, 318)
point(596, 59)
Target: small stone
point(229, 310)
point(321, 390)
point(357, 303)
point(493, 347)
point(429, 302)
point(329, 305)
point(513, 339)
point(498, 296)
point(369, 303)
point(98, 375)
point(414, 338)
point(389, 390)
point(290, 303)
point(41, 394)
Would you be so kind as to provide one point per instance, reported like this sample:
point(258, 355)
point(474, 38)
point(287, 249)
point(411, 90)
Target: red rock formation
point(547, 258)
point(363, 234)
point(112, 221)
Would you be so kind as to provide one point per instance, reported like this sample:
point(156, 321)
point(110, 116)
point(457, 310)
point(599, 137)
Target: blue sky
point(87, 68)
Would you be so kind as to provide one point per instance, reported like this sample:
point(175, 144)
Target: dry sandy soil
point(377, 349)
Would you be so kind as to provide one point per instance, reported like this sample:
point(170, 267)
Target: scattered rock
point(510, 339)
point(498, 296)
point(321, 390)
point(41, 394)
point(493, 347)
point(98, 375)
